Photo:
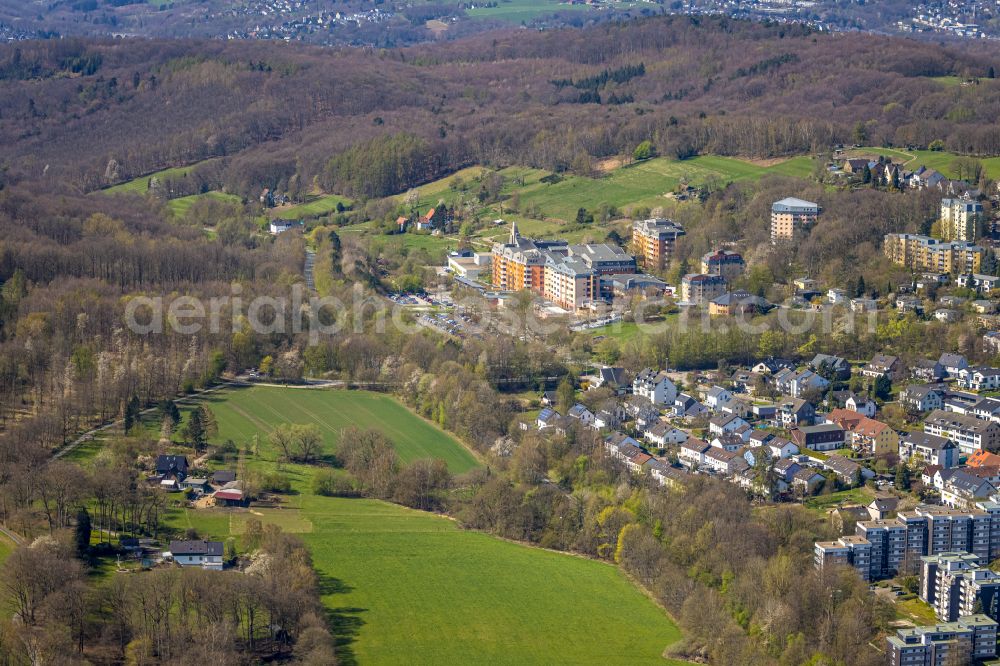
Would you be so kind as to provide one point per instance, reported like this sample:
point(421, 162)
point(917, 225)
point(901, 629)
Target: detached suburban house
point(204, 554)
point(928, 448)
point(823, 437)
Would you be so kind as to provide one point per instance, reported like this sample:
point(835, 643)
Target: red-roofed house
point(864, 434)
point(983, 458)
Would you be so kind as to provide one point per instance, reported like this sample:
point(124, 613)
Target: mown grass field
point(243, 413)
point(822, 503)
point(141, 184)
point(180, 207)
point(641, 184)
point(404, 586)
point(314, 205)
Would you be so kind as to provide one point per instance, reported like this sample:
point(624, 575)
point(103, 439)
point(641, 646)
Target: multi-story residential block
point(568, 282)
point(956, 585)
point(923, 253)
point(852, 551)
point(969, 639)
point(568, 275)
point(726, 263)
point(520, 262)
point(928, 449)
point(790, 217)
point(653, 240)
point(961, 219)
point(604, 259)
point(699, 289)
point(968, 432)
point(888, 546)
point(655, 387)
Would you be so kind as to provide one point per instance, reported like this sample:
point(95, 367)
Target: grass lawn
point(623, 331)
point(641, 184)
point(242, 413)
point(180, 207)
point(141, 184)
point(404, 586)
point(919, 611)
point(6, 548)
point(518, 11)
point(822, 503)
point(314, 205)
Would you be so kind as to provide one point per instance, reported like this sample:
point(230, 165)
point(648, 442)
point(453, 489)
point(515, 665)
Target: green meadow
point(404, 586)
point(243, 413)
point(641, 184)
point(313, 206)
point(141, 184)
point(179, 207)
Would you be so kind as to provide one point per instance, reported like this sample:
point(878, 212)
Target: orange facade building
point(654, 241)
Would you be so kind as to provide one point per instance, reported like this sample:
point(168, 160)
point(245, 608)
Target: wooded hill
point(88, 114)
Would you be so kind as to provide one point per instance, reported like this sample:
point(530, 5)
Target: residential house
point(655, 387)
point(874, 438)
point(862, 304)
point(953, 364)
point(991, 342)
point(606, 418)
point(223, 476)
point(615, 379)
point(960, 489)
point(987, 409)
point(548, 418)
point(883, 506)
point(728, 264)
point(947, 315)
point(848, 470)
point(172, 466)
point(692, 452)
point(836, 296)
point(724, 462)
point(968, 432)
point(781, 448)
point(198, 484)
point(806, 480)
point(725, 424)
point(883, 365)
point(728, 441)
point(687, 407)
point(643, 411)
point(204, 554)
point(823, 437)
point(983, 284)
point(581, 414)
point(771, 365)
point(983, 458)
point(831, 366)
point(733, 303)
point(927, 370)
point(861, 404)
point(794, 412)
point(984, 307)
point(979, 378)
point(663, 434)
point(924, 448)
point(716, 397)
point(922, 397)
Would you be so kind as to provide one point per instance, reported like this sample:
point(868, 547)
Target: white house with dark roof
point(692, 452)
point(726, 424)
point(204, 554)
point(716, 397)
point(581, 414)
point(953, 363)
point(663, 434)
point(655, 387)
